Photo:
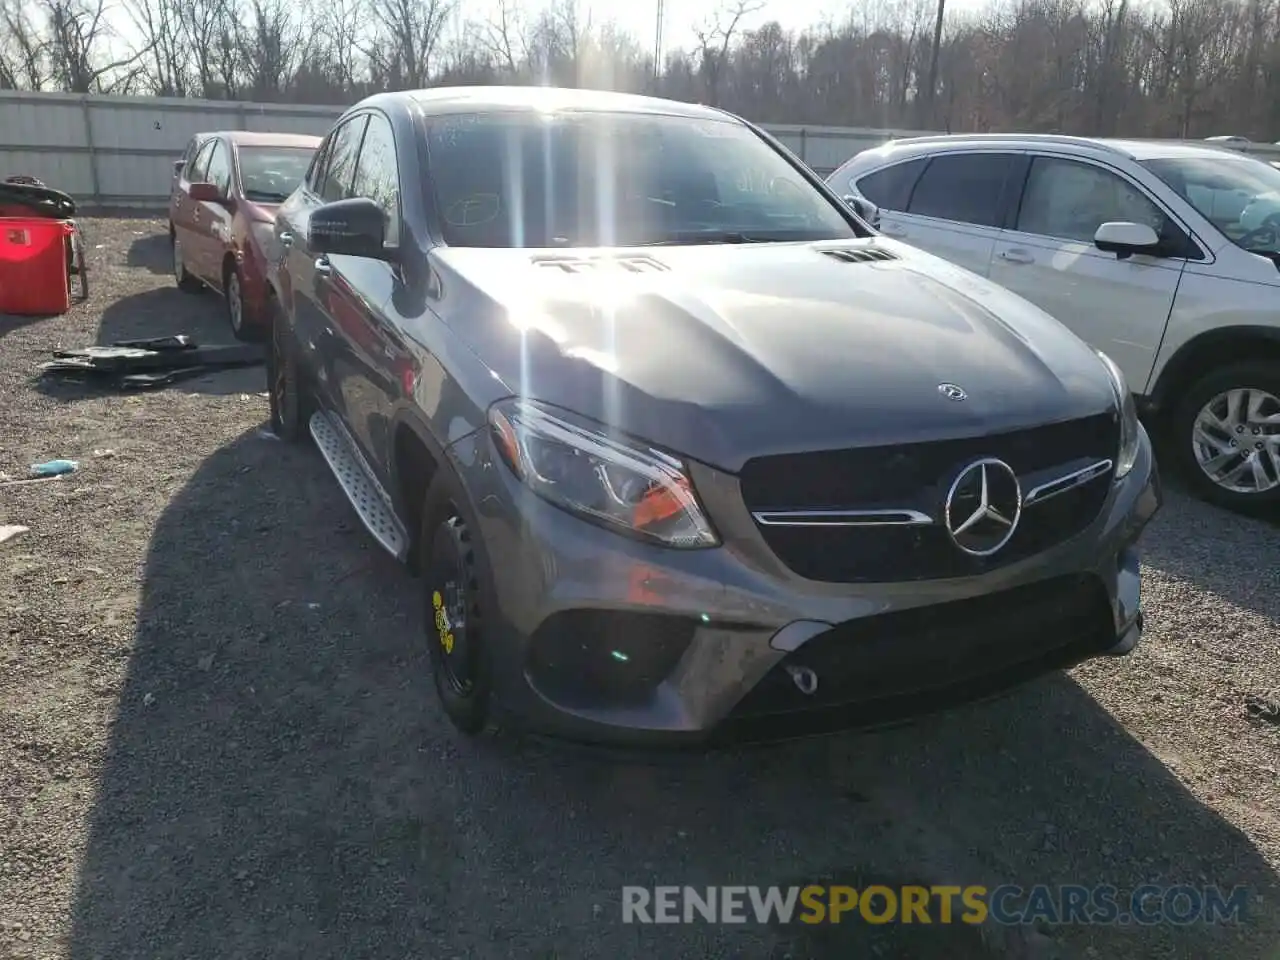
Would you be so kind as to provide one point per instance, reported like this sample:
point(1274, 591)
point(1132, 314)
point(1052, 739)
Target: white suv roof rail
point(1007, 137)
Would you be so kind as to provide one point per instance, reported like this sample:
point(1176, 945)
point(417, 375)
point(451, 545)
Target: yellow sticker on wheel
point(444, 629)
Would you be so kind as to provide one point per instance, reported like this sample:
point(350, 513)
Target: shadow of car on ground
point(153, 253)
point(279, 782)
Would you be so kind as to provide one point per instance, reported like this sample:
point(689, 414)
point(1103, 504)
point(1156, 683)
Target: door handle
point(286, 239)
point(1016, 256)
point(323, 267)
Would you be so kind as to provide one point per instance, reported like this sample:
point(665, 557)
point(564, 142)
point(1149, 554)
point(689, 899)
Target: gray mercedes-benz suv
point(679, 445)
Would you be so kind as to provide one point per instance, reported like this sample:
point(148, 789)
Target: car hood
point(260, 212)
point(726, 352)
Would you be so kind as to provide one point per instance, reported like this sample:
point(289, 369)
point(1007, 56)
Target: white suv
point(1166, 256)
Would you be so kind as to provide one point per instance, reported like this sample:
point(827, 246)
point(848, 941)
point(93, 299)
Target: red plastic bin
point(33, 267)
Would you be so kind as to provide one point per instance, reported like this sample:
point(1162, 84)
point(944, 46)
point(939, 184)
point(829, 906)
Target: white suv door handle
point(1017, 256)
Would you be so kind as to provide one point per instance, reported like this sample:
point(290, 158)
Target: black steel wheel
point(454, 580)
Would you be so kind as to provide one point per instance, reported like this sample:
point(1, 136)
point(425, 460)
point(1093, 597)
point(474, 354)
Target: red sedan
point(222, 211)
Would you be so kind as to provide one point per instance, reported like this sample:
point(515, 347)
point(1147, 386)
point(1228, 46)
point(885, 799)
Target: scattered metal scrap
point(146, 364)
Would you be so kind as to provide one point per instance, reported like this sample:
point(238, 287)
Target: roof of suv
point(455, 99)
point(1133, 149)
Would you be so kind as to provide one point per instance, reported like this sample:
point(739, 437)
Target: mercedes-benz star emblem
point(983, 507)
point(952, 392)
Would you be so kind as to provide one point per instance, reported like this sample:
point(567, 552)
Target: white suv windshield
point(1240, 195)
point(616, 179)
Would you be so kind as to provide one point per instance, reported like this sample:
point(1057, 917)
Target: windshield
point(569, 180)
point(1240, 195)
point(270, 174)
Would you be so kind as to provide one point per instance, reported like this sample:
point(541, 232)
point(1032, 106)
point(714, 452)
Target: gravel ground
point(217, 735)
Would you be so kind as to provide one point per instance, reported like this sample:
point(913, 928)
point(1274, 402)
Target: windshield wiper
point(266, 196)
point(688, 237)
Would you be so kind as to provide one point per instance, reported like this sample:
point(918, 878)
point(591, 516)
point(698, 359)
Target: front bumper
point(603, 639)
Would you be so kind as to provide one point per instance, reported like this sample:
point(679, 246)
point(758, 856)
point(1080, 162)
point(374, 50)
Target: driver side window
point(219, 172)
point(1069, 200)
point(200, 162)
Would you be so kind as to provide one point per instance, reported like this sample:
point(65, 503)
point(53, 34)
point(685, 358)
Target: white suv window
point(890, 188)
point(1069, 200)
point(963, 187)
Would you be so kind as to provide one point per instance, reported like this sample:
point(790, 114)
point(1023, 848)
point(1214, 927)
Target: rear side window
point(890, 188)
point(965, 187)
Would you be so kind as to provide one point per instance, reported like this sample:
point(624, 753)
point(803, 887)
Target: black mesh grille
point(917, 476)
point(922, 653)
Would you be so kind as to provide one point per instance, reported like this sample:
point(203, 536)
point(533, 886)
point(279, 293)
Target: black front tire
point(287, 392)
point(455, 586)
point(1181, 430)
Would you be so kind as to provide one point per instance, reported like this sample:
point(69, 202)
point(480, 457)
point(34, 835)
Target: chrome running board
point(371, 502)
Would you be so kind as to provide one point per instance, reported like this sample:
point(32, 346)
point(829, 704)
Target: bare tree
point(22, 49)
point(77, 39)
point(503, 36)
point(269, 48)
point(408, 32)
point(714, 40)
point(160, 25)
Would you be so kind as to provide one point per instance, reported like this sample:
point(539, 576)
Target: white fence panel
point(117, 151)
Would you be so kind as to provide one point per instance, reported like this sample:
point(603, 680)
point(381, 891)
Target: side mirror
point(355, 228)
point(864, 208)
point(1125, 239)
point(205, 193)
point(177, 167)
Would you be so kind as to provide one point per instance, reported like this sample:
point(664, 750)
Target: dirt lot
point(217, 737)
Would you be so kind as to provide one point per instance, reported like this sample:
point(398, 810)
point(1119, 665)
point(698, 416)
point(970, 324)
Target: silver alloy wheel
point(235, 306)
point(1236, 440)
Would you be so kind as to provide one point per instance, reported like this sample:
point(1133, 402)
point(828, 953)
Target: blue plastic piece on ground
point(54, 468)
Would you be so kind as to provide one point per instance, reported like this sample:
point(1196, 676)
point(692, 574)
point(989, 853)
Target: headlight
point(1129, 433)
point(629, 488)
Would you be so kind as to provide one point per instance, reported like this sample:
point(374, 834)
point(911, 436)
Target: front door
point(184, 213)
point(368, 359)
point(317, 280)
point(213, 219)
point(1119, 306)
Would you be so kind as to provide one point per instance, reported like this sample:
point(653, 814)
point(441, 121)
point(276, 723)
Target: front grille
point(909, 662)
point(917, 476)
